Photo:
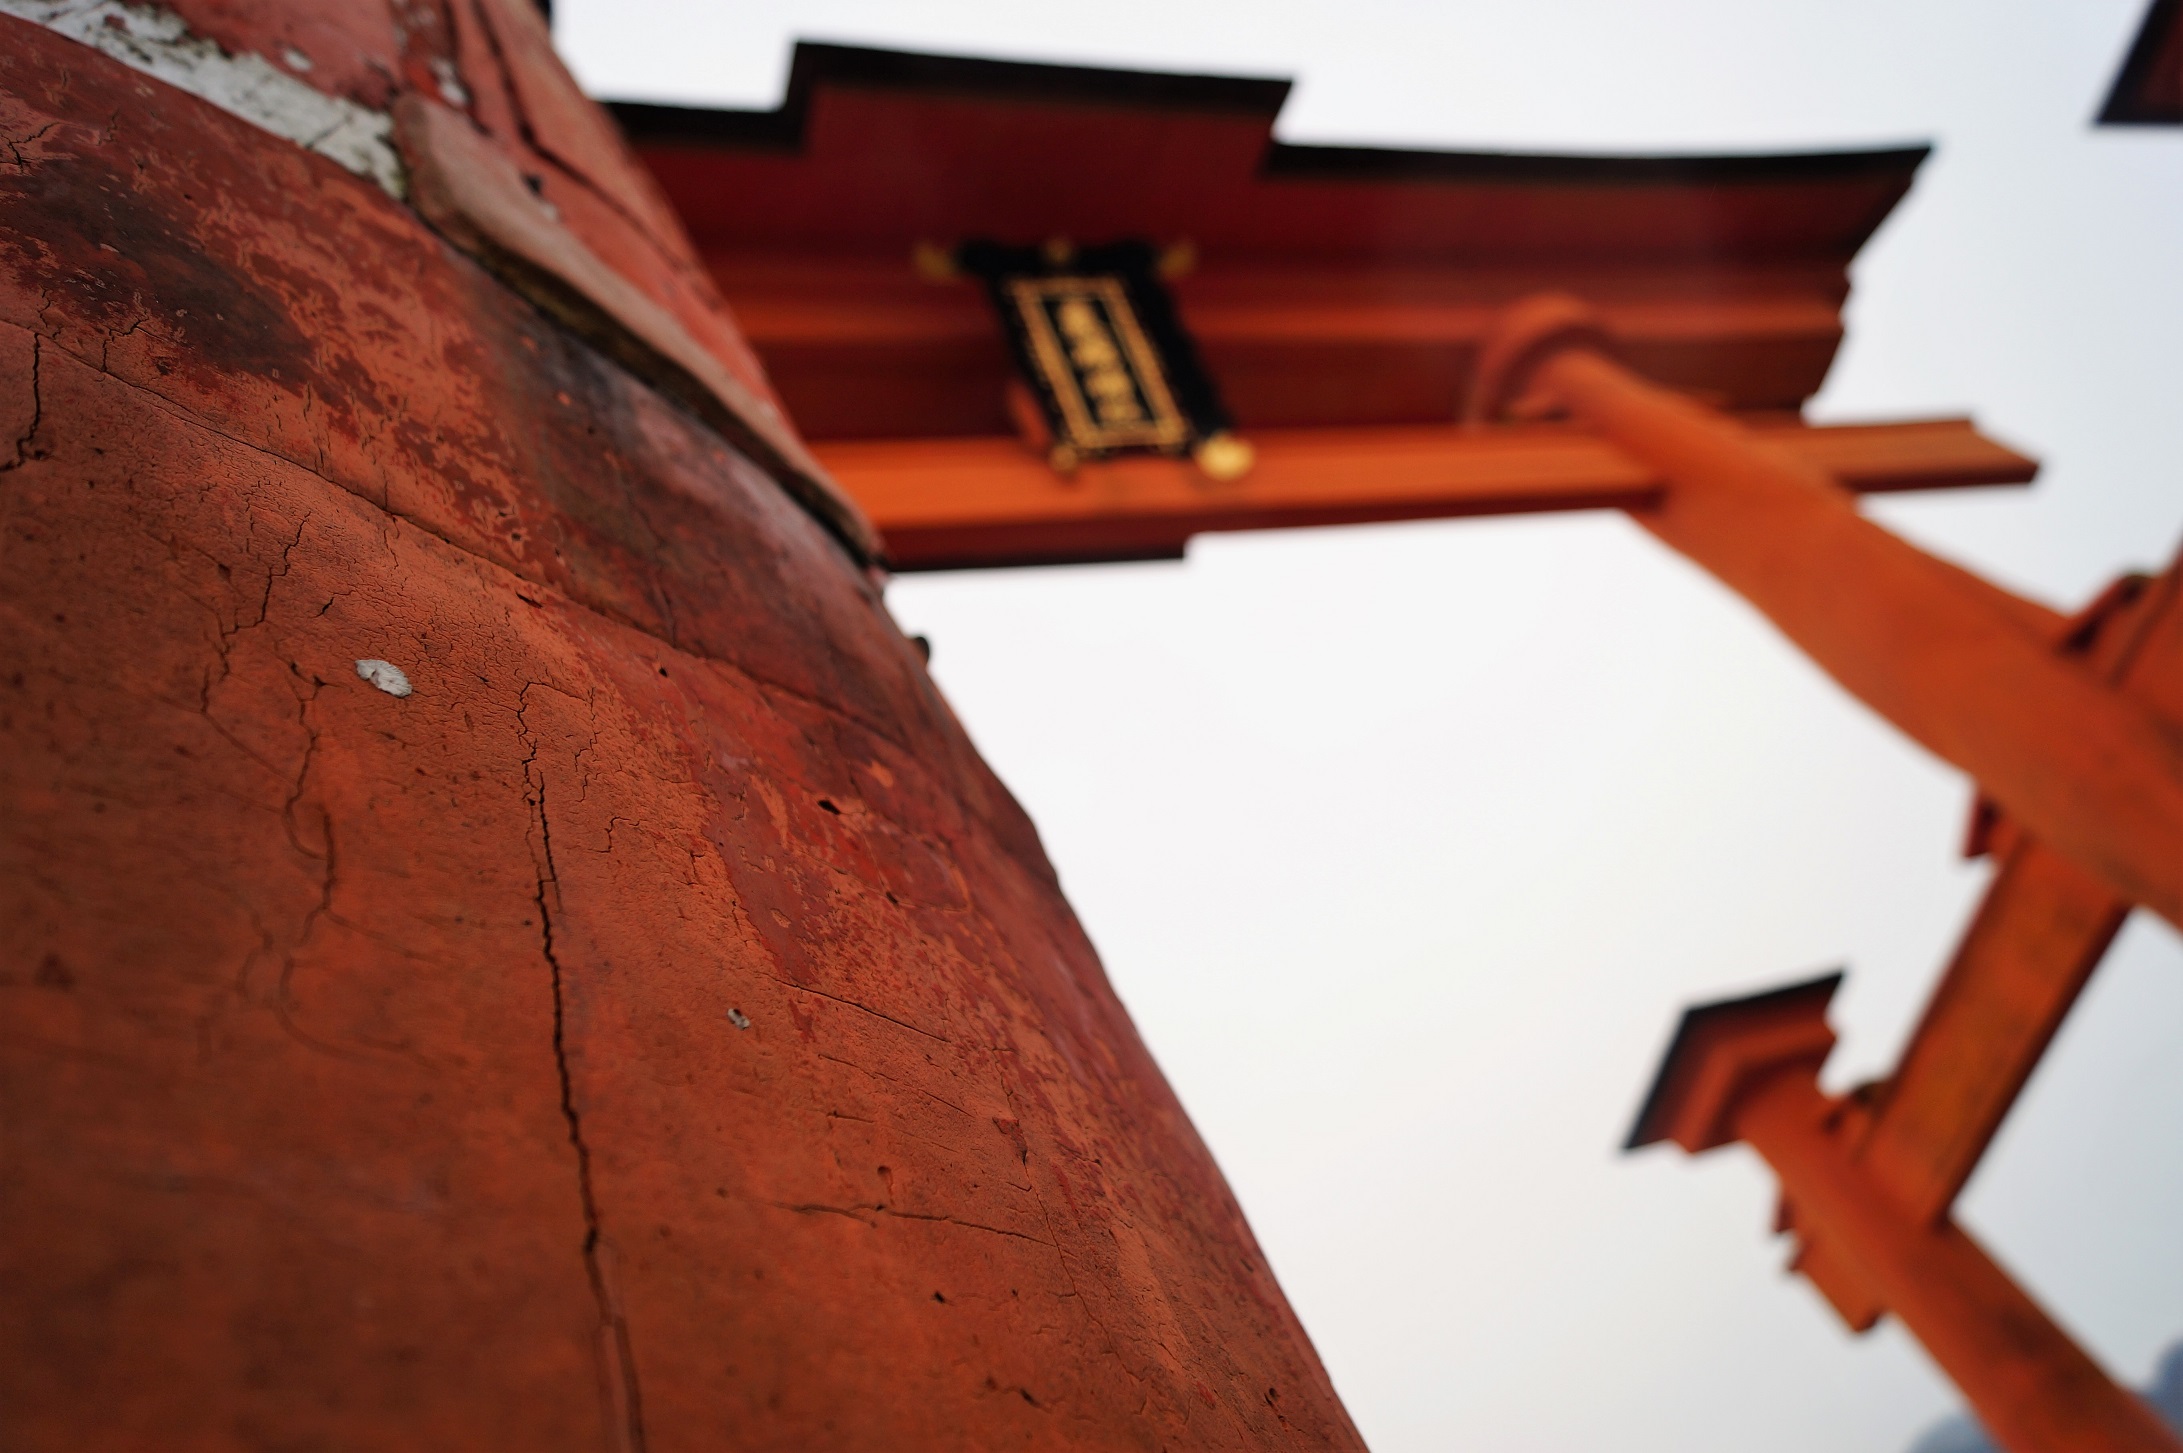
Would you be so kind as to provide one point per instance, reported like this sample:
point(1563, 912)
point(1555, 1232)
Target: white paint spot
point(739, 1019)
point(450, 84)
point(295, 60)
point(159, 44)
point(385, 675)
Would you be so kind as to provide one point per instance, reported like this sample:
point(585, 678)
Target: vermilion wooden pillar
point(502, 944)
point(1950, 659)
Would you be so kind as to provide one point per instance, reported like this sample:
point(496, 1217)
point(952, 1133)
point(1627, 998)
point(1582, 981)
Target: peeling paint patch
point(159, 44)
point(385, 675)
point(450, 84)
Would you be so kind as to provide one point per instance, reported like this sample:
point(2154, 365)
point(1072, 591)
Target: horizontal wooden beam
point(983, 502)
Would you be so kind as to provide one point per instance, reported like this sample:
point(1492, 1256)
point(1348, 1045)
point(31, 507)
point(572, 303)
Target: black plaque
point(1097, 340)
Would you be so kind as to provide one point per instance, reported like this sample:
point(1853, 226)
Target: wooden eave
point(1340, 294)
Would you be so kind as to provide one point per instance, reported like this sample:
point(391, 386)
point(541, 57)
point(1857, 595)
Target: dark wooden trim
point(2132, 101)
point(1380, 164)
point(649, 124)
point(815, 64)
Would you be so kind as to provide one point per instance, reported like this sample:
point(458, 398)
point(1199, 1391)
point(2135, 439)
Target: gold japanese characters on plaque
point(1105, 366)
point(1096, 363)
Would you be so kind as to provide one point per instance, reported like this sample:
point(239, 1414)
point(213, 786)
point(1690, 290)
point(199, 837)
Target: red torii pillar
point(1952, 660)
point(2087, 778)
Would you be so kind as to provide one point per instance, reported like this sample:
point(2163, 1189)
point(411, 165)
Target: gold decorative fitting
point(934, 263)
point(1224, 457)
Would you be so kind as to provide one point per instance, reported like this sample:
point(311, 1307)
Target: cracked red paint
point(621, 1042)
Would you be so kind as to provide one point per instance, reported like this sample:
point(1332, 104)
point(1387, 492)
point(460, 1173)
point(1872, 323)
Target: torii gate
point(504, 945)
point(1366, 311)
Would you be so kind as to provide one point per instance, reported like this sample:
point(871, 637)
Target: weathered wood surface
point(371, 1070)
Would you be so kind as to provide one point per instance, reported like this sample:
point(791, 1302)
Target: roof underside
point(878, 149)
point(1335, 286)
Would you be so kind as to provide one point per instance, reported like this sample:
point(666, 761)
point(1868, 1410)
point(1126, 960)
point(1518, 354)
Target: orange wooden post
point(1747, 1070)
point(1938, 652)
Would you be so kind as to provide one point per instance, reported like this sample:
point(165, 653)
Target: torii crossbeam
point(1339, 295)
point(1399, 336)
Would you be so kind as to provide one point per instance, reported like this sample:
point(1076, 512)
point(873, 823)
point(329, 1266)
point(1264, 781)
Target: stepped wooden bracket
point(1746, 1070)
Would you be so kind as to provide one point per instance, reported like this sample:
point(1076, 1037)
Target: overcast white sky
point(1406, 844)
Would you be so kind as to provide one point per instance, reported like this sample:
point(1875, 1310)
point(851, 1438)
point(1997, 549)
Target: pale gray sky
point(1406, 844)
